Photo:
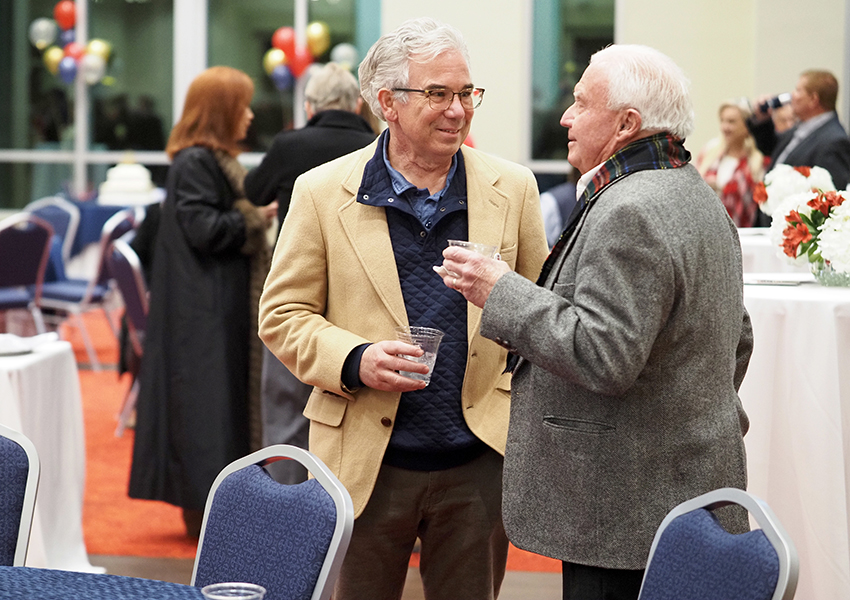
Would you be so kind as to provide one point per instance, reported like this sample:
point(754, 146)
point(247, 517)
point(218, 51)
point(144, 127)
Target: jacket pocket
point(326, 408)
point(578, 425)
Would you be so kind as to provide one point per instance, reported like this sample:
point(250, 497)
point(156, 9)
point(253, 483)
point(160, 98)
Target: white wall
point(728, 48)
point(496, 34)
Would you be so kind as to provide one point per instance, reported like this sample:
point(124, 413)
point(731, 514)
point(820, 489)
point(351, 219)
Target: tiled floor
point(518, 585)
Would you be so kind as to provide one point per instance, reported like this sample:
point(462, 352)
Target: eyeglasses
point(442, 98)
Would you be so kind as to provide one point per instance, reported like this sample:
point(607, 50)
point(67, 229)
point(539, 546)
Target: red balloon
point(284, 38)
point(65, 14)
point(299, 61)
point(75, 50)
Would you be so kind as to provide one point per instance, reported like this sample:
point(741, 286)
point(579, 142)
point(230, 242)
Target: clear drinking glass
point(233, 590)
point(426, 338)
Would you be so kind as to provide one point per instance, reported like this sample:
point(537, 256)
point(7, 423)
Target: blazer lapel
point(487, 208)
point(367, 232)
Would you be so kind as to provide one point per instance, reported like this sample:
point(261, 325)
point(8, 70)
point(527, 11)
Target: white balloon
point(43, 32)
point(345, 54)
point(93, 67)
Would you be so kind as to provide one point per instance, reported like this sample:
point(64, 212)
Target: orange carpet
point(113, 523)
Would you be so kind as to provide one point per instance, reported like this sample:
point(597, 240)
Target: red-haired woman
point(192, 411)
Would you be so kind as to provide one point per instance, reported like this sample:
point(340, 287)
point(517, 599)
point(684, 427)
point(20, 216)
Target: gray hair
point(387, 63)
point(648, 81)
point(332, 86)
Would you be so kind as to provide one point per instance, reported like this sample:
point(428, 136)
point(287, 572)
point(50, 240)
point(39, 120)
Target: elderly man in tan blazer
point(353, 262)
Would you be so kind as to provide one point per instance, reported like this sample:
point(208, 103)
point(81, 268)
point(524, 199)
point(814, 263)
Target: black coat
point(192, 406)
point(328, 135)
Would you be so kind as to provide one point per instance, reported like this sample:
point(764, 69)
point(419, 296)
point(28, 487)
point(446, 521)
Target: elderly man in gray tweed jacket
point(633, 342)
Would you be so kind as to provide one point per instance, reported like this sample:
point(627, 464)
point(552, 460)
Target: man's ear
point(389, 104)
point(630, 124)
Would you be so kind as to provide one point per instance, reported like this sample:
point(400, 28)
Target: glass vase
point(826, 275)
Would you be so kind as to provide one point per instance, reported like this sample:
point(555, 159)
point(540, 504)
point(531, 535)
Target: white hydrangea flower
point(834, 238)
point(783, 181)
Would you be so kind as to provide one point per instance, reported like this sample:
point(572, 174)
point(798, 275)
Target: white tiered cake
point(127, 184)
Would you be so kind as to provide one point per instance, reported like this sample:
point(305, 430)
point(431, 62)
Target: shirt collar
point(401, 184)
point(808, 126)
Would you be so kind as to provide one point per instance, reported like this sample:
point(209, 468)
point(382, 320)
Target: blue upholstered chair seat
point(11, 298)
point(71, 290)
point(703, 560)
point(14, 468)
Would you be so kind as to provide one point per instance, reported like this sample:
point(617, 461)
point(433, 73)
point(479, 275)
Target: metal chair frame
point(344, 523)
point(786, 552)
point(68, 235)
point(126, 270)
point(31, 284)
point(30, 492)
point(116, 226)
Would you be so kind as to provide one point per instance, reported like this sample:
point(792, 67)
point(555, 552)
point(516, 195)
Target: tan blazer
point(333, 285)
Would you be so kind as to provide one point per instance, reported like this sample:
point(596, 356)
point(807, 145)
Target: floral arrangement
point(811, 221)
point(783, 182)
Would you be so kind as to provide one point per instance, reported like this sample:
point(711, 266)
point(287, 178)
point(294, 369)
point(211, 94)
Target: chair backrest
point(117, 225)
point(291, 539)
point(63, 216)
point(19, 472)
point(25, 248)
point(694, 557)
point(126, 269)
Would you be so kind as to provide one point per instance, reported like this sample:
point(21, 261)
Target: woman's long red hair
point(214, 107)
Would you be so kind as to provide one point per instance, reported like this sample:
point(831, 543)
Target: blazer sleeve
point(292, 308)
point(598, 332)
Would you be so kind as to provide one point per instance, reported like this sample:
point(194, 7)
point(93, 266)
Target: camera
point(775, 102)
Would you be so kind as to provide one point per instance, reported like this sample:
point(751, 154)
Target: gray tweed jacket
point(624, 402)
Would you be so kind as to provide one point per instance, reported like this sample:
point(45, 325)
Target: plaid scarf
point(659, 151)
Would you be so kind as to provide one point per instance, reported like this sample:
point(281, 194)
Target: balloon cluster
point(62, 54)
point(286, 61)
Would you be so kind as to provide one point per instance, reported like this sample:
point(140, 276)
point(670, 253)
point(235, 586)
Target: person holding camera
point(817, 140)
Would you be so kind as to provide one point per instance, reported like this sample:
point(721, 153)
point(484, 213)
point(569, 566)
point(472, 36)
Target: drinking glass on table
point(233, 590)
point(426, 338)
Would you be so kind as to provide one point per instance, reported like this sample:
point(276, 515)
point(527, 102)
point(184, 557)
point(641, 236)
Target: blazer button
point(386, 421)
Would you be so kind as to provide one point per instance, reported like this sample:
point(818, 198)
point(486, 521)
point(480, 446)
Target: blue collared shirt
point(423, 203)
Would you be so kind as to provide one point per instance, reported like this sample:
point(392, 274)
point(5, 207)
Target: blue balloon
point(67, 36)
point(282, 77)
point(67, 69)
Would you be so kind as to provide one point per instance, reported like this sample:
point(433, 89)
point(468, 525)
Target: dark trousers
point(582, 582)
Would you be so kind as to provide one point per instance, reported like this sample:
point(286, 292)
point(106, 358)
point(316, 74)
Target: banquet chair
point(126, 270)
point(63, 216)
point(19, 472)
point(694, 557)
point(290, 539)
point(73, 297)
point(25, 242)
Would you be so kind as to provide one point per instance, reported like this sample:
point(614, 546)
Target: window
point(565, 34)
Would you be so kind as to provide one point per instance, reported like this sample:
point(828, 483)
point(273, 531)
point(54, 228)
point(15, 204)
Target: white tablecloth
point(760, 255)
point(40, 397)
point(797, 395)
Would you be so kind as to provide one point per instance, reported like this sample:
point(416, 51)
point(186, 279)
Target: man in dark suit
point(817, 140)
point(333, 129)
point(631, 345)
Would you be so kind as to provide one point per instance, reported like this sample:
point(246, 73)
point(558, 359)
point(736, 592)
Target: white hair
point(332, 86)
point(386, 65)
point(648, 81)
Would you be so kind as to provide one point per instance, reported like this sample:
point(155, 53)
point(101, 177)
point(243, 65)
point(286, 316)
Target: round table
point(797, 395)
